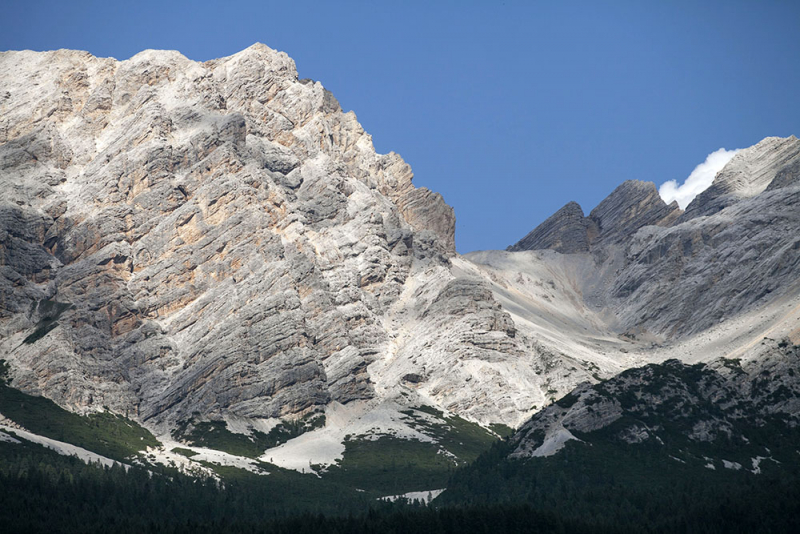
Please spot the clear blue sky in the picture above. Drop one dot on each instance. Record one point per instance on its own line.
(509, 109)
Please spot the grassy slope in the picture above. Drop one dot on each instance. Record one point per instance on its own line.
(105, 433)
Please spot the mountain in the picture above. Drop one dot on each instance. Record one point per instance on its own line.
(216, 238)
(215, 252)
(211, 262)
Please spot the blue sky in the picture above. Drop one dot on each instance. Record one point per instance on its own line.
(509, 109)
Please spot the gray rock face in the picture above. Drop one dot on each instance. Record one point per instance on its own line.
(786, 177)
(632, 205)
(426, 211)
(749, 172)
(671, 274)
(222, 237)
(566, 231)
(684, 279)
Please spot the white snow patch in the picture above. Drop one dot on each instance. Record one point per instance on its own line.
(698, 181)
(731, 465)
(316, 447)
(709, 465)
(60, 447)
(757, 464)
(8, 439)
(423, 496)
(324, 446)
(164, 455)
(246, 425)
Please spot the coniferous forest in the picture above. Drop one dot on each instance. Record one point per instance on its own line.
(41, 491)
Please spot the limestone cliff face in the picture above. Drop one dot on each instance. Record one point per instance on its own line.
(631, 206)
(217, 237)
(628, 208)
(566, 231)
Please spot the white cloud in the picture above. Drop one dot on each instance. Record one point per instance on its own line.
(698, 181)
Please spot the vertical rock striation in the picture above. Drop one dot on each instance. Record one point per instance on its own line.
(222, 236)
(566, 231)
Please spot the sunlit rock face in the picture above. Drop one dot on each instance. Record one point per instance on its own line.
(223, 238)
(748, 174)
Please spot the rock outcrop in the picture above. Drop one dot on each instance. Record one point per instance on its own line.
(660, 271)
(566, 231)
(673, 404)
(632, 205)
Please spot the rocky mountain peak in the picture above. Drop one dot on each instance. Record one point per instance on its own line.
(631, 206)
(566, 231)
(747, 174)
(219, 237)
(635, 204)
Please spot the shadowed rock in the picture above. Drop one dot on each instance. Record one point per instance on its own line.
(631, 206)
(566, 231)
(628, 208)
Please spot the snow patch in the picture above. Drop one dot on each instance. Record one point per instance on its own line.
(246, 425)
(165, 456)
(731, 465)
(8, 439)
(757, 464)
(60, 447)
(325, 446)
